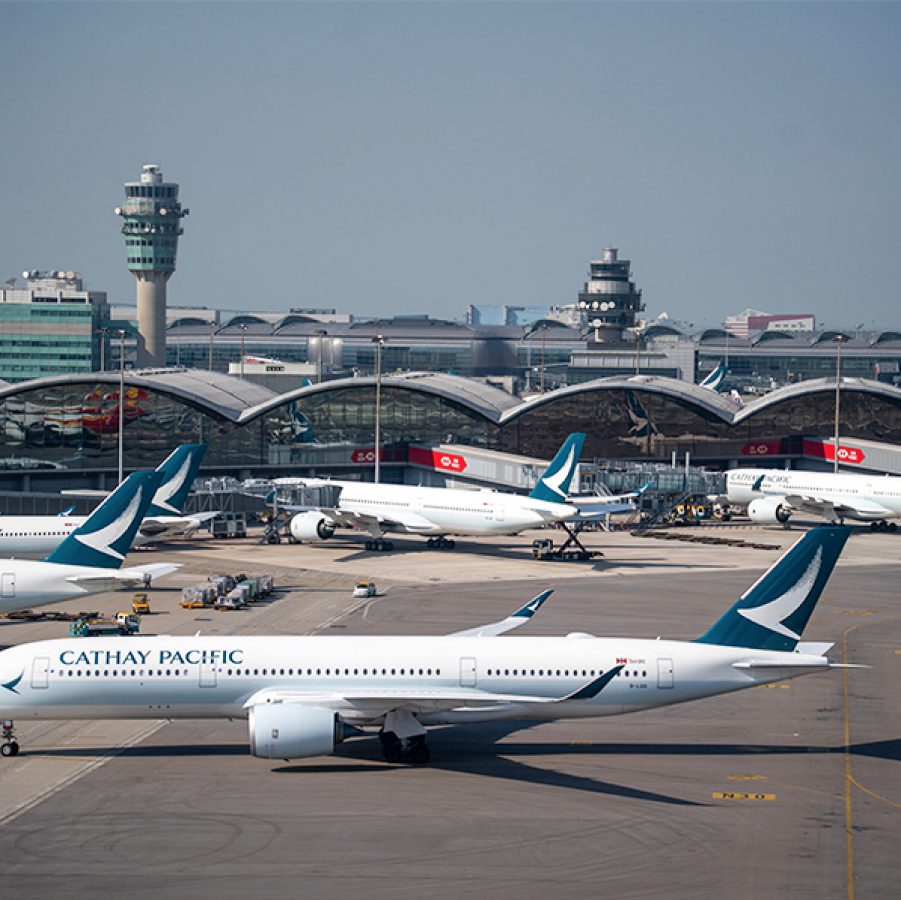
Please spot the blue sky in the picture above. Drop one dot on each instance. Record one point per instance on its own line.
(403, 158)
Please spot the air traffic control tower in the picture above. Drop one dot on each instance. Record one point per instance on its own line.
(151, 223)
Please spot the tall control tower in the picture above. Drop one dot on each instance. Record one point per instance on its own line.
(151, 223)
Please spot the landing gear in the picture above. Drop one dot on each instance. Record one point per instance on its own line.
(882, 525)
(441, 543)
(379, 544)
(414, 750)
(9, 747)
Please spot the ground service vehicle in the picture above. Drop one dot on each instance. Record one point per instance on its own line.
(140, 604)
(365, 589)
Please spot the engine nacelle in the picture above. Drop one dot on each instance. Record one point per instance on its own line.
(311, 527)
(768, 510)
(292, 730)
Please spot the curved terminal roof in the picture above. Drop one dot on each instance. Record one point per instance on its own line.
(241, 401)
(485, 399)
(692, 394)
(221, 394)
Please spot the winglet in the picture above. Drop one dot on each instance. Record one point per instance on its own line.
(514, 620)
(532, 607)
(593, 688)
(553, 486)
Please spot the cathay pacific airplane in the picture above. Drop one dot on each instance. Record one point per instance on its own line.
(36, 536)
(437, 512)
(773, 495)
(303, 695)
(89, 560)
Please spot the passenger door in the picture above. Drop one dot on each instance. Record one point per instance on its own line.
(467, 671)
(8, 585)
(40, 670)
(207, 675)
(665, 678)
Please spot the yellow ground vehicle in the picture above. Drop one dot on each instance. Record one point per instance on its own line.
(140, 604)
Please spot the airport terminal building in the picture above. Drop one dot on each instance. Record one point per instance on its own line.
(62, 431)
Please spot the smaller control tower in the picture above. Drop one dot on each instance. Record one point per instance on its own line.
(609, 299)
(151, 223)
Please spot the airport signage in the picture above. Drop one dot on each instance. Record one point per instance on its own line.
(761, 448)
(366, 455)
(437, 459)
(826, 450)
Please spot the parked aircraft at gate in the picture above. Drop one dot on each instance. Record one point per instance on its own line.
(435, 512)
(302, 695)
(773, 495)
(89, 559)
(36, 536)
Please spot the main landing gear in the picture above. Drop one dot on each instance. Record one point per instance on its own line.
(412, 750)
(379, 544)
(441, 543)
(9, 747)
(882, 525)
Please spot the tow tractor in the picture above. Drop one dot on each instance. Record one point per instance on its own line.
(124, 623)
(140, 604)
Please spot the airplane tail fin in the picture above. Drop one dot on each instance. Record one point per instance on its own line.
(553, 485)
(105, 536)
(716, 377)
(179, 470)
(772, 613)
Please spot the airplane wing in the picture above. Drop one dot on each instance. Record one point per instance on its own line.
(837, 506)
(380, 700)
(173, 526)
(408, 522)
(520, 617)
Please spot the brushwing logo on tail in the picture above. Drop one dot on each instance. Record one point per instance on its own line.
(554, 481)
(771, 615)
(169, 488)
(102, 539)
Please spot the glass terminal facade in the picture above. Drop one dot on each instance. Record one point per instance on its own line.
(73, 427)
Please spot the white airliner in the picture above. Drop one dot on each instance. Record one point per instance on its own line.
(36, 536)
(302, 695)
(89, 559)
(772, 495)
(436, 512)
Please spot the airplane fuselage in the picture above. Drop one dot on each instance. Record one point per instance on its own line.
(214, 677)
(25, 583)
(443, 511)
(883, 491)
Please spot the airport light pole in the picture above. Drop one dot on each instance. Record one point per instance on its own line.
(838, 340)
(212, 332)
(320, 334)
(379, 341)
(121, 333)
(243, 327)
(103, 331)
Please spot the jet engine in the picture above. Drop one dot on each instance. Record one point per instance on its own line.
(293, 731)
(768, 510)
(312, 527)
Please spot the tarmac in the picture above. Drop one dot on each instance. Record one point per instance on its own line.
(789, 790)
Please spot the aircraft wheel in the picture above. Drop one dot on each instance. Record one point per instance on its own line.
(9, 749)
(875, 526)
(392, 748)
(892, 526)
(369, 545)
(451, 544)
(419, 753)
(430, 542)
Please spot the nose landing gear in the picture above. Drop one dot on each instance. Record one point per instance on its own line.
(9, 747)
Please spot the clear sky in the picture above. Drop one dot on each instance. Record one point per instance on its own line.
(403, 158)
